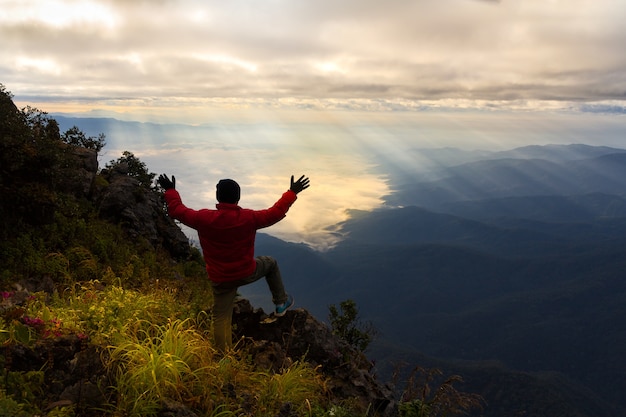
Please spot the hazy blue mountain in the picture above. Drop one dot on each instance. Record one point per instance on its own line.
(433, 162)
(131, 136)
(500, 178)
(556, 153)
(506, 236)
(548, 208)
(532, 276)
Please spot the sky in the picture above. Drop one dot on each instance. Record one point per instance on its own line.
(331, 55)
(325, 85)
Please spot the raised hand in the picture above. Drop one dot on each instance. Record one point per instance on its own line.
(165, 182)
(301, 184)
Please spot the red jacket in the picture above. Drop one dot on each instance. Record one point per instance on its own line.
(227, 234)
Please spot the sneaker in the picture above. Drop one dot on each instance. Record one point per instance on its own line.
(281, 309)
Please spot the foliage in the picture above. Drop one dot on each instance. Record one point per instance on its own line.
(75, 137)
(427, 396)
(85, 247)
(156, 352)
(102, 313)
(11, 408)
(134, 168)
(35, 162)
(345, 323)
(176, 361)
(62, 411)
(300, 384)
(155, 362)
(24, 389)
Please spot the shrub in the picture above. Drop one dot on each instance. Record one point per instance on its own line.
(75, 137)
(134, 168)
(347, 325)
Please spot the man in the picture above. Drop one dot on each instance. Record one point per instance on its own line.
(227, 237)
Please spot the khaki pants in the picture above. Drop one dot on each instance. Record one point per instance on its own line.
(224, 296)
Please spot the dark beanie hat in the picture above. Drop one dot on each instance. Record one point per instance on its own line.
(228, 191)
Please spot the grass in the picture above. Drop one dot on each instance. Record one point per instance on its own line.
(300, 384)
(175, 361)
(155, 362)
(155, 352)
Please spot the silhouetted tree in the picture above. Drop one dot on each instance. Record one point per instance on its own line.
(74, 136)
(134, 168)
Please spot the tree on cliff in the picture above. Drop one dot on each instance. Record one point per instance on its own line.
(134, 168)
(35, 159)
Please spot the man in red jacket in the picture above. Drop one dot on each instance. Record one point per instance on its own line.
(227, 237)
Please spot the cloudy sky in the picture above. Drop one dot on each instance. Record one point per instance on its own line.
(326, 87)
(292, 54)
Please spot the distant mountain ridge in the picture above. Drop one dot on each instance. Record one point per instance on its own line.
(550, 208)
(580, 170)
(557, 153)
(519, 259)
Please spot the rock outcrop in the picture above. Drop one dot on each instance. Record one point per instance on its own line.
(140, 211)
(81, 173)
(298, 335)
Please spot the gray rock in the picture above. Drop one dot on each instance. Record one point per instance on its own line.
(141, 212)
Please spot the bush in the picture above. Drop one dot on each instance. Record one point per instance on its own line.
(134, 168)
(345, 323)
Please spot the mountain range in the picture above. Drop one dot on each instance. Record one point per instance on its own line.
(507, 267)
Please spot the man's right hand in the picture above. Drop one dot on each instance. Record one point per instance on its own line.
(301, 184)
(165, 182)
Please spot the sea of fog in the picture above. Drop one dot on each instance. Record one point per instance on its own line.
(346, 155)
